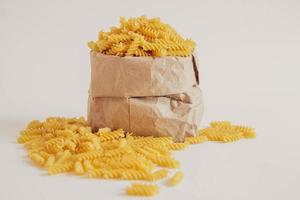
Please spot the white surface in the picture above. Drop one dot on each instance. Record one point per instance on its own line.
(249, 55)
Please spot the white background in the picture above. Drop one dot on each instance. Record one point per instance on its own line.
(249, 56)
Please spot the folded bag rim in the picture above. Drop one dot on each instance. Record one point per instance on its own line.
(115, 76)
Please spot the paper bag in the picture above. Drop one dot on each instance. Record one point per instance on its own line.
(145, 95)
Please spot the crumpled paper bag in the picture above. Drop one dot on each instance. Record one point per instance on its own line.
(145, 95)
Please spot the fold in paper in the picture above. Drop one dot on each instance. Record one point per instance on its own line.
(146, 116)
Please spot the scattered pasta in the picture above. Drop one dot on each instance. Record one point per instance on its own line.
(224, 131)
(62, 145)
(196, 140)
(139, 189)
(142, 36)
(175, 179)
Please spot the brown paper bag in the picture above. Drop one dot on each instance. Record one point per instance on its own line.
(145, 95)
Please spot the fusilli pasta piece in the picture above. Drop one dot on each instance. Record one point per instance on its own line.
(159, 174)
(56, 169)
(138, 189)
(175, 179)
(36, 158)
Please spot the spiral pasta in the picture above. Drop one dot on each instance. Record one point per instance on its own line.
(63, 157)
(225, 131)
(162, 161)
(26, 138)
(130, 163)
(196, 140)
(36, 158)
(107, 136)
(177, 146)
(63, 145)
(175, 179)
(138, 189)
(159, 174)
(50, 161)
(56, 169)
(78, 168)
(247, 132)
(142, 37)
(131, 174)
(91, 155)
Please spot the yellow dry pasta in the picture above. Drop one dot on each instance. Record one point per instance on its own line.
(225, 131)
(138, 189)
(196, 140)
(141, 37)
(78, 168)
(175, 179)
(131, 174)
(26, 138)
(107, 136)
(87, 165)
(91, 155)
(220, 124)
(60, 168)
(247, 132)
(159, 174)
(50, 161)
(36, 158)
(178, 146)
(63, 157)
(62, 145)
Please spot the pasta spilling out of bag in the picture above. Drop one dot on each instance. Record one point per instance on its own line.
(63, 145)
(142, 36)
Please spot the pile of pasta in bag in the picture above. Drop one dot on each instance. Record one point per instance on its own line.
(145, 79)
(142, 37)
